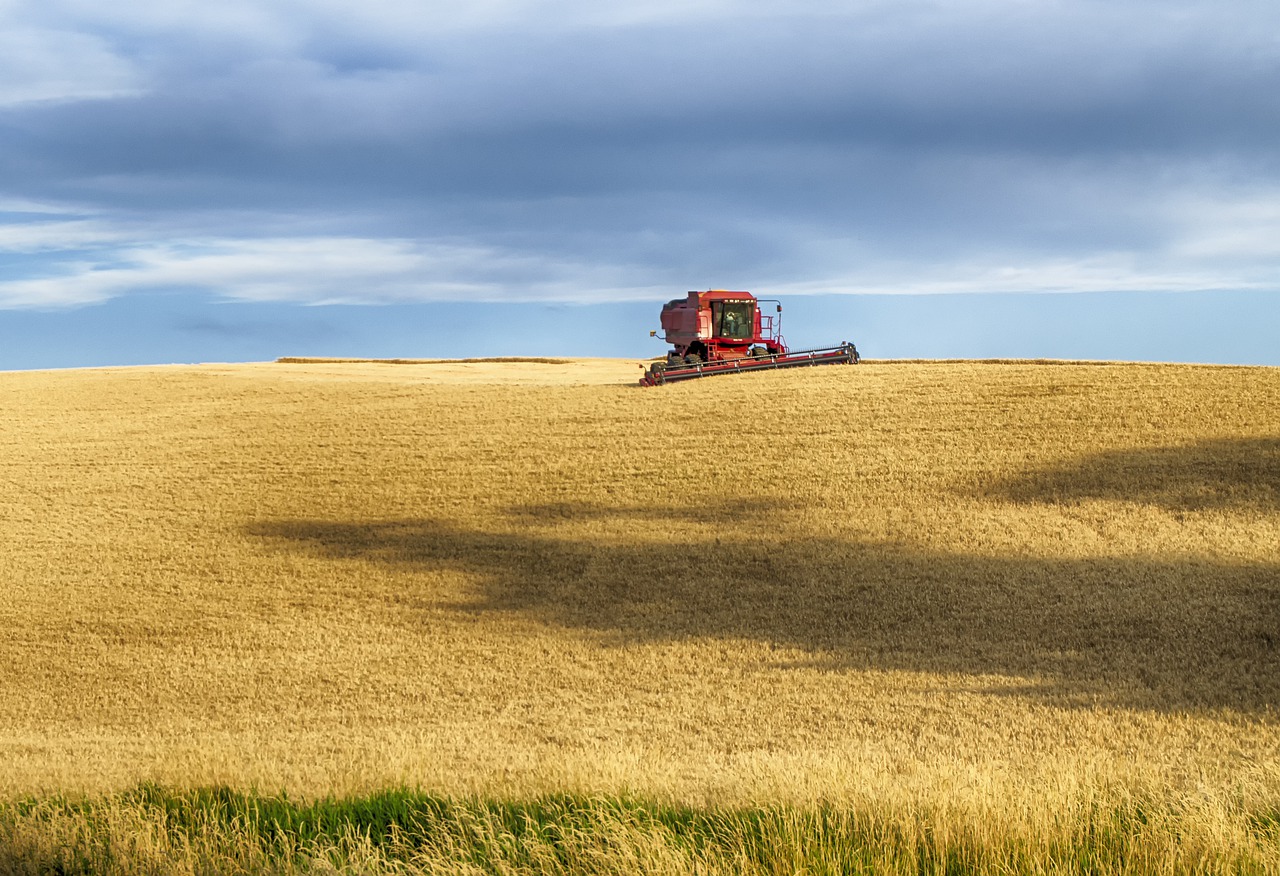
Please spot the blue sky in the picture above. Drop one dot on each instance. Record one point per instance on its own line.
(238, 180)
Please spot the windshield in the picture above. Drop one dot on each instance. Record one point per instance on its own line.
(733, 319)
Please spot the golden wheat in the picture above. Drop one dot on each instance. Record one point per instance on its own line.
(1000, 589)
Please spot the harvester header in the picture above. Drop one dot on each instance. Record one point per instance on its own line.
(721, 331)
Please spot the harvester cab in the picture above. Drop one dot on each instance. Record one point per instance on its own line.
(719, 331)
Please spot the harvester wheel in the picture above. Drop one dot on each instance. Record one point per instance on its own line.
(759, 352)
(692, 359)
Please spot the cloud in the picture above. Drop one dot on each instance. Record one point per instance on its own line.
(52, 66)
(319, 271)
(315, 150)
(380, 271)
(1245, 228)
(35, 237)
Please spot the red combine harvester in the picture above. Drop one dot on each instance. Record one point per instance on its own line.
(722, 332)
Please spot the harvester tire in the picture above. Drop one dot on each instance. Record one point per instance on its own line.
(692, 359)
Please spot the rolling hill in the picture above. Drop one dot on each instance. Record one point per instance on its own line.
(1004, 590)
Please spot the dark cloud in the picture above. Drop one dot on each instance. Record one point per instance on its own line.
(866, 145)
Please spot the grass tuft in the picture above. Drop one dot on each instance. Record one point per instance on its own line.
(151, 829)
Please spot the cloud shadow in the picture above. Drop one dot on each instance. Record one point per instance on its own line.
(1172, 634)
(1221, 474)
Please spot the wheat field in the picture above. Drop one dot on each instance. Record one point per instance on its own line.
(1003, 590)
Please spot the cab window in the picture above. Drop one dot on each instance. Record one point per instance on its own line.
(733, 319)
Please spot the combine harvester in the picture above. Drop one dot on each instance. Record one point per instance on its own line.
(722, 332)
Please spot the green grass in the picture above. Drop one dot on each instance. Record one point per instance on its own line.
(155, 830)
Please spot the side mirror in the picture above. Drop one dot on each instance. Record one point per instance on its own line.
(653, 334)
(779, 308)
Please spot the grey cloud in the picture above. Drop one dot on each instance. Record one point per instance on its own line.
(1135, 79)
(784, 145)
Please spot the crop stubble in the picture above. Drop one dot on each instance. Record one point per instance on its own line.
(981, 586)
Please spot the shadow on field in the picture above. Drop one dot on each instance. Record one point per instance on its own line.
(1182, 634)
(1219, 474)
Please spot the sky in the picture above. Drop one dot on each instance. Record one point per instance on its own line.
(246, 179)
